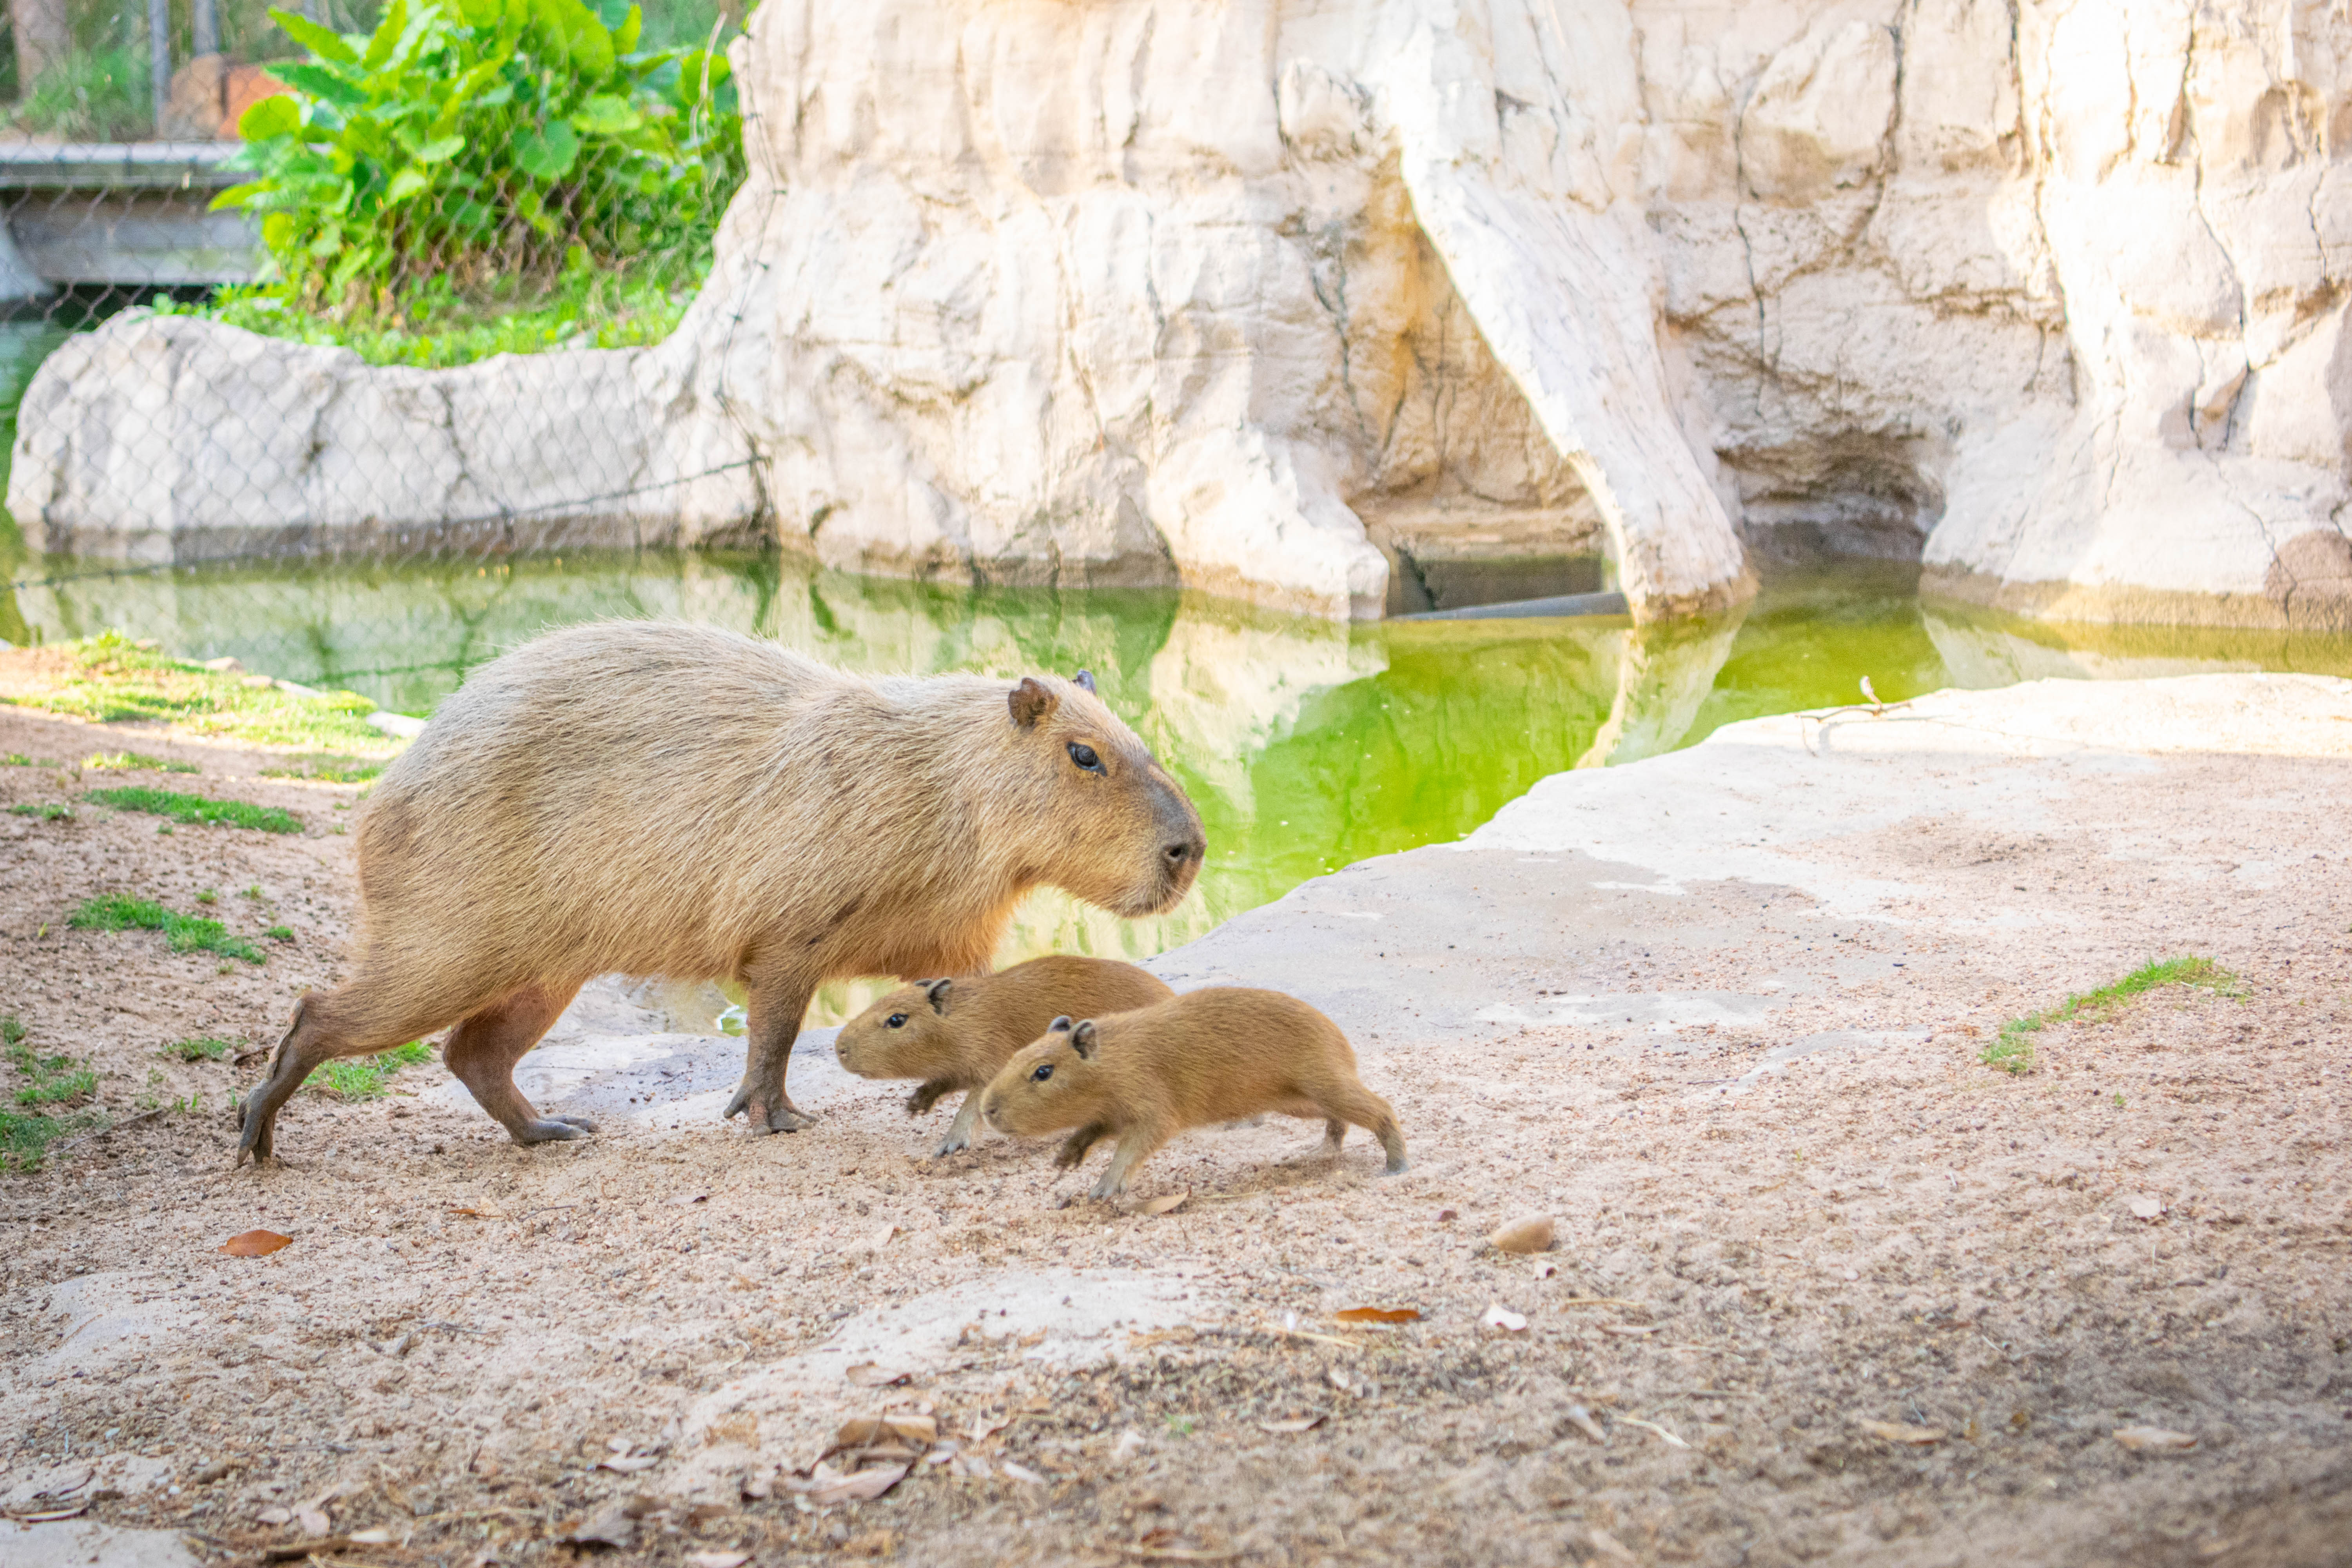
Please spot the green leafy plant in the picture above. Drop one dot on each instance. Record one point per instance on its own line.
(209, 1048)
(475, 152)
(182, 933)
(90, 95)
(48, 811)
(2012, 1049)
(197, 808)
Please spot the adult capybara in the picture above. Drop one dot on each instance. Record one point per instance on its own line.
(1209, 1056)
(955, 1034)
(661, 799)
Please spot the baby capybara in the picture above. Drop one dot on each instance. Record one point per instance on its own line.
(662, 799)
(954, 1033)
(1209, 1056)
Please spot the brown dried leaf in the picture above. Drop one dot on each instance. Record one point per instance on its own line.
(1902, 1432)
(874, 1374)
(1528, 1232)
(924, 1429)
(254, 1244)
(1379, 1315)
(1167, 1203)
(1295, 1423)
(2155, 1439)
(863, 1486)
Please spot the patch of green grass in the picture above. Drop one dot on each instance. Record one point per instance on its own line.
(48, 811)
(23, 1140)
(327, 769)
(364, 1078)
(207, 895)
(19, 760)
(12, 1031)
(209, 1048)
(49, 1081)
(183, 933)
(279, 934)
(2012, 1049)
(110, 677)
(139, 761)
(254, 892)
(197, 808)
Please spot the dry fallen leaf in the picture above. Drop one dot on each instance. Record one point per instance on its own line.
(2154, 1439)
(254, 1244)
(1379, 1315)
(718, 1559)
(1501, 1317)
(1167, 1203)
(1902, 1432)
(51, 1515)
(1295, 1423)
(874, 1374)
(863, 1486)
(2145, 1207)
(1528, 1232)
(1021, 1472)
(610, 1526)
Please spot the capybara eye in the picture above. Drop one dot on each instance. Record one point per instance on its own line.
(1042, 1073)
(1084, 756)
(897, 1020)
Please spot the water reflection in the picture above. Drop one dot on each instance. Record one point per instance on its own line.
(1305, 744)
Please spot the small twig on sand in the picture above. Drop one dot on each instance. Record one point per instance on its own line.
(1650, 1427)
(1176, 1555)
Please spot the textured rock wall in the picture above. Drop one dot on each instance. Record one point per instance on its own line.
(2051, 297)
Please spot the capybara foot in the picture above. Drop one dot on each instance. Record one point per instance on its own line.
(1396, 1167)
(553, 1130)
(781, 1117)
(1106, 1185)
(784, 1118)
(256, 1136)
(953, 1143)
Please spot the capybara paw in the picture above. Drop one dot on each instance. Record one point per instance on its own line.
(951, 1144)
(1396, 1167)
(581, 1122)
(553, 1131)
(737, 1106)
(1106, 1188)
(784, 1119)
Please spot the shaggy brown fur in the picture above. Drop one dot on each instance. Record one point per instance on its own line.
(661, 799)
(1209, 1056)
(955, 1034)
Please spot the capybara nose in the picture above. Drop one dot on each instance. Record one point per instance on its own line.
(1188, 850)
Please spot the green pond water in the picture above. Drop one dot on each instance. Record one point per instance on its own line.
(1305, 745)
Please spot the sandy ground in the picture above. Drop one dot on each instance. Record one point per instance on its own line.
(1732, 1055)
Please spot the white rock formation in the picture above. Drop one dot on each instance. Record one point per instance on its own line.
(1164, 291)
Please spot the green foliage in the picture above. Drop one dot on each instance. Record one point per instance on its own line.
(279, 934)
(470, 146)
(137, 762)
(49, 1081)
(108, 677)
(2012, 1049)
(197, 808)
(364, 1078)
(90, 95)
(182, 933)
(48, 811)
(19, 760)
(208, 1048)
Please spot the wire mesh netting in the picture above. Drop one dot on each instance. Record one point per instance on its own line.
(289, 301)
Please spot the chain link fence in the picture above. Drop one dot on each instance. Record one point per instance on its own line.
(416, 212)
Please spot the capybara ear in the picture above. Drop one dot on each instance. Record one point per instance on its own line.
(1082, 1039)
(936, 990)
(1031, 702)
(1083, 680)
(1060, 1026)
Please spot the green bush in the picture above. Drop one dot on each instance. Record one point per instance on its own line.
(470, 156)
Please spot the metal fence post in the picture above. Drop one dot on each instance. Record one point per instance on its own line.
(204, 25)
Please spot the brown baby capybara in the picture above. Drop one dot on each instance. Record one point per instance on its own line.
(1214, 1054)
(652, 798)
(954, 1033)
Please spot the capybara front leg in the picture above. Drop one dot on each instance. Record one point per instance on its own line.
(959, 1136)
(1135, 1146)
(775, 1011)
(1073, 1152)
(483, 1050)
(355, 1020)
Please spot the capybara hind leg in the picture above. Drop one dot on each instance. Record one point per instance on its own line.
(1367, 1110)
(775, 1011)
(346, 1022)
(1335, 1133)
(483, 1050)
